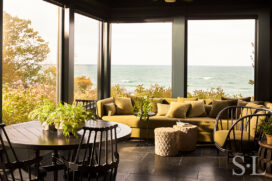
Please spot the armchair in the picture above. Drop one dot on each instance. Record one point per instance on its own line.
(236, 128)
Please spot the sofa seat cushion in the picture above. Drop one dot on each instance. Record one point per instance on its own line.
(221, 135)
(130, 120)
(203, 123)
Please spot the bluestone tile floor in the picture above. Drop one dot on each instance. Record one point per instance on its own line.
(139, 163)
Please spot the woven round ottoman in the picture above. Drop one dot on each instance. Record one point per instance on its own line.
(166, 141)
(187, 137)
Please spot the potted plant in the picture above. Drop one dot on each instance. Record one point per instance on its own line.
(44, 114)
(266, 127)
(143, 107)
(64, 117)
(69, 118)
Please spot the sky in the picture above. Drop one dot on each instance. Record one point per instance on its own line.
(210, 42)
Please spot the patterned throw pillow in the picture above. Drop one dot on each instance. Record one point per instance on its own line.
(178, 110)
(123, 106)
(109, 109)
(218, 105)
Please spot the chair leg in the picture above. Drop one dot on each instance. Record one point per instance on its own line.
(217, 152)
(228, 156)
(74, 176)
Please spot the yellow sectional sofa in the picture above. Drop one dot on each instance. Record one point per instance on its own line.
(205, 124)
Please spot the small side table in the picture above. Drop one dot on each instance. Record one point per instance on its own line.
(166, 141)
(265, 158)
(187, 137)
(150, 114)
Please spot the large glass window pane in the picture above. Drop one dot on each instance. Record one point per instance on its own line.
(141, 59)
(221, 58)
(30, 38)
(86, 55)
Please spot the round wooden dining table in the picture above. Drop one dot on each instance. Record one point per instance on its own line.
(30, 135)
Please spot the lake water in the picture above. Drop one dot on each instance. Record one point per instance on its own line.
(234, 80)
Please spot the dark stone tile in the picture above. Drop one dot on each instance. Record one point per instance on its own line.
(186, 173)
(166, 165)
(195, 153)
(185, 179)
(214, 173)
(121, 177)
(256, 178)
(137, 177)
(136, 166)
(200, 162)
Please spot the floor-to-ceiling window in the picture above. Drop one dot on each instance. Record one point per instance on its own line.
(86, 56)
(221, 58)
(30, 41)
(141, 59)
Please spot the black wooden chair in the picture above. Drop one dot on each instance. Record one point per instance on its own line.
(13, 169)
(236, 129)
(96, 156)
(88, 104)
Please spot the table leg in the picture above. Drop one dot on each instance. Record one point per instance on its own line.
(37, 153)
(147, 131)
(54, 163)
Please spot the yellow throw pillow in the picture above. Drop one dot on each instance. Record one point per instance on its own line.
(253, 120)
(182, 99)
(162, 109)
(178, 110)
(245, 111)
(123, 106)
(268, 105)
(110, 109)
(197, 108)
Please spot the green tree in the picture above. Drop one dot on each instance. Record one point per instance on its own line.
(23, 51)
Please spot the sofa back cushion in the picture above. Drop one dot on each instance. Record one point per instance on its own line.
(162, 109)
(218, 105)
(182, 99)
(178, 110)
(197, 109)
(247, 99)
(169, 100)
(208, 101)
(100, 106)
(123, 106)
